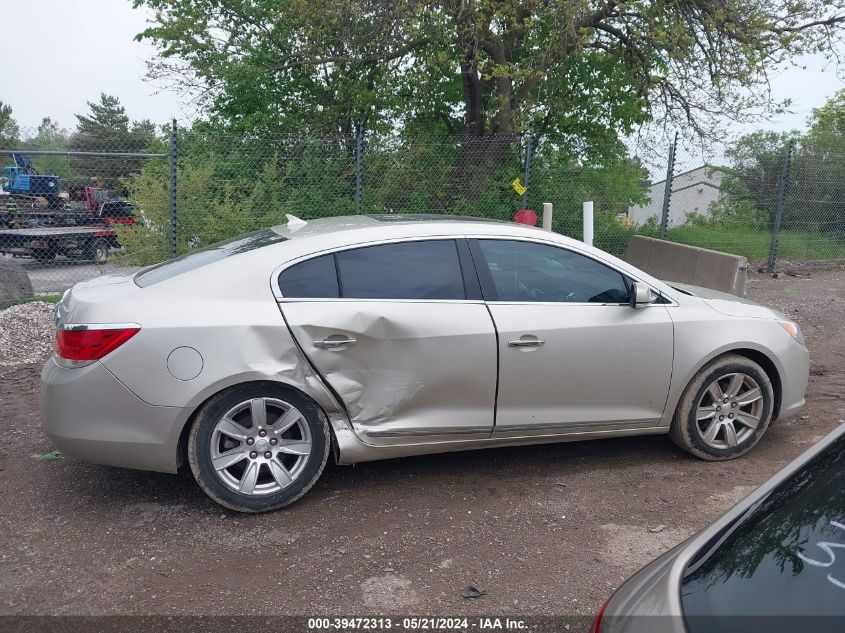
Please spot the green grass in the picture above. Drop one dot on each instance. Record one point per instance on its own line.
(754, 245)
(48, 298)
(51, 298)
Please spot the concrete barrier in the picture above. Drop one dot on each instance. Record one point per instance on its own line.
(688, 264)
(14, 282)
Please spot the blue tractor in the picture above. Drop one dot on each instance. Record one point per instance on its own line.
(25, 182)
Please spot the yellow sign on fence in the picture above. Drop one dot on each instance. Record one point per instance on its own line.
(517, 186)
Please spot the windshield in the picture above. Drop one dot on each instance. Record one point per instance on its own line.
(204, 256)
(785, 557)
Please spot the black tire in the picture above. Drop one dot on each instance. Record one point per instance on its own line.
(97, 250)
(687, 431)
(202, 437)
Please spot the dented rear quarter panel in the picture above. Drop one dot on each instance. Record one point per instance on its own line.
(225, 311)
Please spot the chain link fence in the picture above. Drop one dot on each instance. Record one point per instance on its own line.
(113, 204)
(64, 209)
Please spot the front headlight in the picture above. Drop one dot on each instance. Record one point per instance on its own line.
(793, 330)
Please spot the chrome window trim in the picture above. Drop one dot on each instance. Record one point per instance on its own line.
(349, 300)
(277, 293)
(97, 326)
(563, 303)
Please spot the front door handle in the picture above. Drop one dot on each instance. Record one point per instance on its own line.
(527, 343)
(331, 343)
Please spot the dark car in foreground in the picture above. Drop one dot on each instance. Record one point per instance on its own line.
(773, 563)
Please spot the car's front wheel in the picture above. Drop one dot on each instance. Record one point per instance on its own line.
(725, 409)
(258, 447)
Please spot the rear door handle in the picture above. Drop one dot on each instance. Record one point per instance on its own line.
(330, 343)
(527, 343)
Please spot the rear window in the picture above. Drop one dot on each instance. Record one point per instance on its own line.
(204, 256)
(408, 270)
(785, 557)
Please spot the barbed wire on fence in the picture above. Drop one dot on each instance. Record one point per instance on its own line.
(71, 212)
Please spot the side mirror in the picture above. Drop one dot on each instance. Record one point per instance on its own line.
(642, 295)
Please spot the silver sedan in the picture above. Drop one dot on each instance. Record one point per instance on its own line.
(374, 337)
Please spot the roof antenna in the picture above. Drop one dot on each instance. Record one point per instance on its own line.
(294, 222)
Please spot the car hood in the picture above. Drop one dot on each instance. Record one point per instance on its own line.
(728, 304)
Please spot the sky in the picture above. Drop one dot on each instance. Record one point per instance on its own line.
(80, 48)
(84, 47)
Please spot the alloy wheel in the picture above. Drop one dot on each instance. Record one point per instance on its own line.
(729, 410)
(260, 446)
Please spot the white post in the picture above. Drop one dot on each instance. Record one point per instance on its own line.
(547, 216)
(588, 222)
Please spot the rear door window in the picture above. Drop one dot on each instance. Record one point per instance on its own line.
(312, 279)
(406, 270)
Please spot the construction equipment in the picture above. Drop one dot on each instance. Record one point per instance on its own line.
(25, 182)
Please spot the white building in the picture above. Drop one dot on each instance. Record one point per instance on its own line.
(692, 192)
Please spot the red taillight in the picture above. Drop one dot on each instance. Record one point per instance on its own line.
(596, 626)
(91, 344)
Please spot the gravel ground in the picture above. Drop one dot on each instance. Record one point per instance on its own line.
(547, 530)
(26, 333)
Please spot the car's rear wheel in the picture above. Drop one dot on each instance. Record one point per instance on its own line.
(725, 409)
(258, 447)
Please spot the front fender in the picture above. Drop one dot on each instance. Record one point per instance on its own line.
(700, 340)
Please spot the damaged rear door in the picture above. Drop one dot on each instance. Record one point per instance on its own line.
(399, 331)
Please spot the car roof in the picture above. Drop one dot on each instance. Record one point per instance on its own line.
(299, 239)
(310, 237)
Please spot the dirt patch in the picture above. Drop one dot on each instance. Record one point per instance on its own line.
(388, 593)
(547, 530)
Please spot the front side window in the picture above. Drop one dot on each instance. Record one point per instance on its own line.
(528, 271)
(406, 270)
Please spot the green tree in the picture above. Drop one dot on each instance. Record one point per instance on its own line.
(750, 189)
(589, 68)
(50, 136)
(827, 124)
(233, 183)
(817, 196)
(9, 130)
(106, 121)
(815, 189)
(107, 128)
